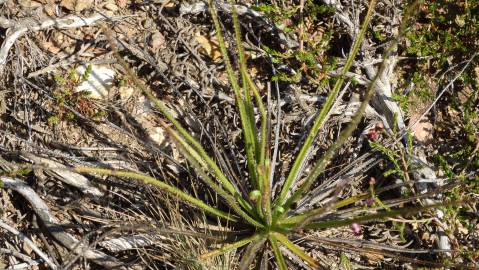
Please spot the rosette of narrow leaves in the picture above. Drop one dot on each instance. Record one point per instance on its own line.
(269, 220)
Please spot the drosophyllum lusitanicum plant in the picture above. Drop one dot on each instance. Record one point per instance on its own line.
(268, 220)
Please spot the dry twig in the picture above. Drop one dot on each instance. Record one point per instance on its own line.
(29, 243)
(74, 179)
(52, 225)
(19, 28)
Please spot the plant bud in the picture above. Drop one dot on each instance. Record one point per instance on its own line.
(254, 195)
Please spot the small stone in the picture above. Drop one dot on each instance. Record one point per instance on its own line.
(157, 135)
(111, 6)
(98, 82)
(157, 41)
(147, 23)
(77, 5)
(126, 92)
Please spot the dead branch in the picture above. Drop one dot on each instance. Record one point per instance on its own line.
(131, 242)
(55, 229)
(29, 242)
(19, 28)
(224, 7)
(71, 178)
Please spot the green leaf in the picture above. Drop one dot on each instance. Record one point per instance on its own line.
(277, 253)
(232, 201)
(300, 220)
(243, 108)
(165, 111)
(162, 185)
(379, 216)
(266, 196)
(321, 164)
(229, 247)
(251, 252)
(345, 262)
(87, 73)
(318, 121)
(296, 250)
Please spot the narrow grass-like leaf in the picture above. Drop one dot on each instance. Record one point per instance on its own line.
(230, 200)
(264, 162)
(165, 111)
(321, 164)
(191, 153)
(263, 148)
(251, 252)
(298, 220)
(266, 194)
(296, 250)
(318, 121)
(388, 204)
(229, 247)
(160, 184)
(247, 128)
(379, 216)
(345, 262)
(277, 253)
(244, 75)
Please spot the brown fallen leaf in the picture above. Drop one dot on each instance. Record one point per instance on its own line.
(49, 9)
(122, 3)
(77, 5)
(111, 6)
(209, 46)
(29, 4)
(373, 258)
(50, 46)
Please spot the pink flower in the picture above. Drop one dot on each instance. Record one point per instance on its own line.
(370, 202)
(356, 228)
(373, 133)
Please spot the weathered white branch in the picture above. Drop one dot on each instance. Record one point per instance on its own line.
(131, 242)
(29, 242)
(56, 230)
(26, 265)
(71, 178)
(19, 28)
(383, 101)
(425, 179)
